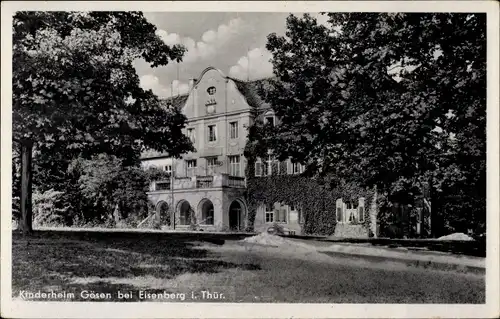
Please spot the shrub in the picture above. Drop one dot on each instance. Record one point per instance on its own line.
(278, 229)
(48, 208)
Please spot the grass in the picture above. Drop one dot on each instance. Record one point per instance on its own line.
(189, 264)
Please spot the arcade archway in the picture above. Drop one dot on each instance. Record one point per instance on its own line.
(236, 216)
(185, 212)
(206, 211)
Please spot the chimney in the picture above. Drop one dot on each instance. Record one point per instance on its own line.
(191, 83)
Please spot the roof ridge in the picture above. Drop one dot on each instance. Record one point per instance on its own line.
(169, 98)
(250, 81)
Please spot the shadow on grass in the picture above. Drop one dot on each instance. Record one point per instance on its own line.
(108, 262)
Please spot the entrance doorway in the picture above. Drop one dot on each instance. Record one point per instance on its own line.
(185, 213)
(207, 212)
(236, 216)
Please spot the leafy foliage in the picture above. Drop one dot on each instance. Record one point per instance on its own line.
(395, 101)
(92, 190)
(75, 85)
(50, 210)
(76, 92)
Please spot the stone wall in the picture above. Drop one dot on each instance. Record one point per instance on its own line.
(350, 231)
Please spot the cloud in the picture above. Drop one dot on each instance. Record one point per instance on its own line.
(255, 65)
(179, 88)
(322, 19)
(212, 41)
(168, 38)
(209, 36)
(152, 82)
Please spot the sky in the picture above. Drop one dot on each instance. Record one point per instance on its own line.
(230, 41)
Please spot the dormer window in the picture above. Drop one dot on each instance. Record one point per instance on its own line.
(211, 90)
(269, 118)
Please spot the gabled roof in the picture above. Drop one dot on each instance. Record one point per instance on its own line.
(177, 101)
(151, 154)
(251, 90)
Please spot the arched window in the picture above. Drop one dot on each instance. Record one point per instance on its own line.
(269, 118)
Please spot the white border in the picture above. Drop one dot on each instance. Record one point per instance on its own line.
(152, 310)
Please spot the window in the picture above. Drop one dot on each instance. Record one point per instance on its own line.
(212, 133)
(361, 211)
(269, 120)
(296, 168)
(191, 135)
(272, 166)
(234, 165)
(211, 165)
(340, 210)
(211, 90)
(352, 212)
(190, 168)
(269, 207)
(261, 169)
(351, 205)
(233, 130)
(191, 163)
(168, 169)
(270, 217)
(269, 213)
(281, 215)
(211, 161)
(265, 169)
(276, 213)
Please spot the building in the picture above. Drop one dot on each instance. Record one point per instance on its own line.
(207, 190)
(208, 185)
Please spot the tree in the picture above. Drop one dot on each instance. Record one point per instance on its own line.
(107, 184)
(388, 100)
(75, 89)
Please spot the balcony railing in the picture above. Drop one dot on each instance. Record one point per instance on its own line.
(162, 185)
(204, 181)
(236, 181)
(217, 180)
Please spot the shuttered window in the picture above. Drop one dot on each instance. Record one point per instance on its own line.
(258, 168)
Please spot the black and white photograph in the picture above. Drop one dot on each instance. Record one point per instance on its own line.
(254, 159)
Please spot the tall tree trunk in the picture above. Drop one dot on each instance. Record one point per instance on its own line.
(26, 224)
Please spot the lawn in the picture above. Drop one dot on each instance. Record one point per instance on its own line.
(207, 267)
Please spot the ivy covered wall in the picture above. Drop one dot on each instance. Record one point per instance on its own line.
(316, 198)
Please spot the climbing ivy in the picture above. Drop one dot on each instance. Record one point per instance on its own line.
(316, 197)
